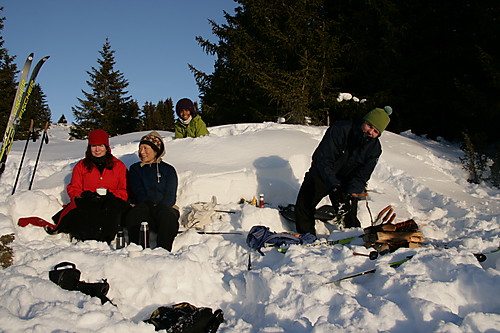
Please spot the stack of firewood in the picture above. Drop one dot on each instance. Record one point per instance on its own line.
(389, 236)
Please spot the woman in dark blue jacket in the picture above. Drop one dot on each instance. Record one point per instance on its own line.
(153, 191)
(341, 166)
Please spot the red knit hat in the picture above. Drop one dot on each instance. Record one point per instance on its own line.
(98, 137)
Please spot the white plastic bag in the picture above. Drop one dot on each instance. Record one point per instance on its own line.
(201, 214)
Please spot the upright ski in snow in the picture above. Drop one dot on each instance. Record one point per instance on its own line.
(15, 107)
(18, 108)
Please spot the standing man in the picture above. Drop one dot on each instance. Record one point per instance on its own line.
(189, 123)
(341, 166)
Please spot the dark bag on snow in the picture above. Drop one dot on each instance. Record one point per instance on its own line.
(67, 276)
(325, 213)
(260, 236)
(94, 218)
(186, 318)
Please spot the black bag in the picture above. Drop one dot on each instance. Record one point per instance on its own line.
(94, 218)
(186, 318)
(67, 277)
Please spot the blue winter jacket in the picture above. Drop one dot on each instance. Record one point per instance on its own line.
(346, 157)
(145, 184)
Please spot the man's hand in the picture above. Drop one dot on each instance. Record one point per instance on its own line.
(359, 195)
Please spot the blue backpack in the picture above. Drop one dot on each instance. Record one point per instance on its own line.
(260, 236)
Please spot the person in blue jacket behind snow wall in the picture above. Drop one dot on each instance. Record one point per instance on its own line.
(341, 166)
(153, 192)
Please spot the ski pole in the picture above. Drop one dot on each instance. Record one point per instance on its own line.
(219, 232)
(249, 264)
(30, 134)
(213, 232)
(373, 255)
(394, 264)
(369, 211)
(45, 138)
(482, 256)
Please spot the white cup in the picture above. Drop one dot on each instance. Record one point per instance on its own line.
(101, 191)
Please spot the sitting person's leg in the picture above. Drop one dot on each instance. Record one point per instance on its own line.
(117, 210)
(91, 220)
(134, 218)
(166, 225)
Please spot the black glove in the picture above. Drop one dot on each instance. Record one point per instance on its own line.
(89, 195)
(110, 194)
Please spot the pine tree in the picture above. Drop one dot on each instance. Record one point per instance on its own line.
(106, 107)
(166, 110)
(8, 85)
(435, 63)
(62, 120)
(147, 116)
(275, 59)
(128, 118)
(473, 162)
(158, 117)
(36, 109)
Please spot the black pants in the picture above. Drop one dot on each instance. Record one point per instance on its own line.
(161, 219)
(97, 218)
(312, 191)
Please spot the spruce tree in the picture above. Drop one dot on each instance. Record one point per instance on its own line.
(62, 120)
(36, 109)
(166, 110)
(275, 59)
(158, 117)
(435, 63)
(106, 106)
(8, 85)
(147, 116)
(128, 118)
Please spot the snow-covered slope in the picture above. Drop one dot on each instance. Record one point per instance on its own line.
(438, 290)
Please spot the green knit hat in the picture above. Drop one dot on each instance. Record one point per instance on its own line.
(379, 118)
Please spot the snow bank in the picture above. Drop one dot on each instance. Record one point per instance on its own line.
(438, 290)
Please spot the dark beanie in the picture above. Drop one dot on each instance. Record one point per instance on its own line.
(185, 104)
(155, 141)
(98, 137)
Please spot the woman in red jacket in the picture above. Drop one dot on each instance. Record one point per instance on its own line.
(99, 171)
(98, 193)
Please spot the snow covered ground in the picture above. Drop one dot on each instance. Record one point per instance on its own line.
(438, 290)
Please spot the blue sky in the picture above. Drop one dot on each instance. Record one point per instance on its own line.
(154, 42)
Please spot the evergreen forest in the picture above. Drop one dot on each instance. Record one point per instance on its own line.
(436, 63)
